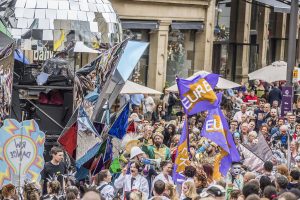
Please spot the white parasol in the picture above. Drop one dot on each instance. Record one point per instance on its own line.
(271, 73)
(222, 83)
(134, 88)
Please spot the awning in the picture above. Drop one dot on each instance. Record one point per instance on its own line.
(138, 24)
(277, 5)
(188, 26)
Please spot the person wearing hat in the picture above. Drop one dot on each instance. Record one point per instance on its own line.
(139, 156)
(158, 149)
(136, 154)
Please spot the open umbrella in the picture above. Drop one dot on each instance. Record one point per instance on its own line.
(134, 88)
(222, 83)
(271, 73)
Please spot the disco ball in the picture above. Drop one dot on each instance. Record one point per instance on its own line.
(49, 25)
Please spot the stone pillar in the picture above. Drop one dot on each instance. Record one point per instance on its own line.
(158, 55)
(262, 35)
(238, 51)
(204, 41)
(280, 33)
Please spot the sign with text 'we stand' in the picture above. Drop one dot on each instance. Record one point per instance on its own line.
(21, 152)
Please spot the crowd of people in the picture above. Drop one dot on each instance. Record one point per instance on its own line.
(254, 116)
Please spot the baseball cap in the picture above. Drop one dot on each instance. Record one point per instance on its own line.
(215, 190)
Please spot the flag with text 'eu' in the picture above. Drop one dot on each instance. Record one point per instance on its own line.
(182, 156)
(197, 94)
(216, 129)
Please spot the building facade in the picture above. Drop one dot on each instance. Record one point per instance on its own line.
(250, 35)
(180, 35)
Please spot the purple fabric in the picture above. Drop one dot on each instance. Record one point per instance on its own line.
(197, 94)
(216, 129)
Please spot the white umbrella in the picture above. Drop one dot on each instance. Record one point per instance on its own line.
(271, 73)
(80, 47)
(134, 88)
(222, 83)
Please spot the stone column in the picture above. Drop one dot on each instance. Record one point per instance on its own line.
(240, 17)
(280, 34)
(204, 41)
(158, 55)
(262, 35)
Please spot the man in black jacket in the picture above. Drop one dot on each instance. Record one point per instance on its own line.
(275, 94)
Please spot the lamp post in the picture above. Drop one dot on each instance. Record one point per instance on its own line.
(293, 28)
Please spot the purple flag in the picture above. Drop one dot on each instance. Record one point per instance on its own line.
(216, 129)
(182, 156)
(197, 94)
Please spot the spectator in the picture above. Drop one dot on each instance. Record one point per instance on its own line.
(188, 191)
(281, 184)
(55, 168)
(132, 181)
(287, 196)
(158, 149)
(148, 106)
(91, 195)
(250, 188)
(238, 115)
(102, 180)
(275, 94)
(270, 192)
(295, 176)
(158, 190)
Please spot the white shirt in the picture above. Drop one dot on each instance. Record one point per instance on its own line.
(124, 98)
(108, 191)
(238, 115)
(140, 183)
(149, 104)
(162, 177)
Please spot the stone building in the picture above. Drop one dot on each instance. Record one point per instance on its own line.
(255, 34)
(180, 33)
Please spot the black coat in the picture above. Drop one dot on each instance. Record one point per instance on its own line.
(275, 94)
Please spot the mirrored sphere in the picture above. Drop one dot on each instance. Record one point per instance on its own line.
(51, 24)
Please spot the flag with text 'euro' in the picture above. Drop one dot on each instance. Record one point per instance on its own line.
(182, 156)
(198, 93)
(216, 129)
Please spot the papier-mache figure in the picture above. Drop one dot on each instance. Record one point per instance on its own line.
(234, 179)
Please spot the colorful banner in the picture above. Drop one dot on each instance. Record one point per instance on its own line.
(197, 94)
(182, 156)
(21, 152)
(216, 129)
(6, 80)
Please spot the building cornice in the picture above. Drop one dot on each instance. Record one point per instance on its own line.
(178, 2)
